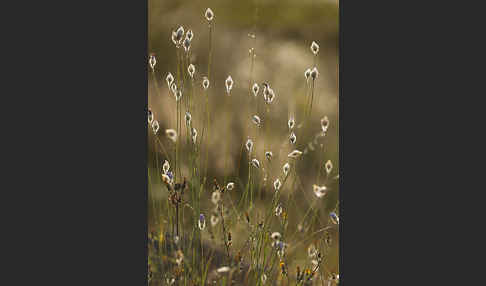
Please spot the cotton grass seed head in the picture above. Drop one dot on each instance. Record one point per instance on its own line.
(249, 145)
(171, 134)
(179, 34)
(230, 186)
(291, 123)
(278, 210)
(169, 79)
(286, 168)
(277, 184)
(276, 236)
(292, 138)
(152, 61)
(255, 163)
(324, 124)
(209, 14)
(256, 120)
(269, 155)
(155, 126)
(205, 83)
(229, 84)
(189, 35)
(295, 154)
(191, 69)
(174, 38)
(314, 48)
(178, 95)
(255, 89)
(334, 218)
(150, 116)
(188, 118)
(319, 191)
(307, 74)
(166, 167)
(201, 222)
(314, 73)
(186, 44)
(328, 166)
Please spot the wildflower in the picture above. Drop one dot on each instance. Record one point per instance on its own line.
(178, 95)
(171, 134)
(295, 154)
(188, 118)
(255, 89)
(291, 123)
(150, 116)
(255, 163)
(324, 123)
(194, 135)
(169, 79)
(307, 74)
(209, 14)
(319, 191)
(277, 184)
(278, 210)
(179, 256)
(328, 166)
(205, 83)
(293, 138)
(264, 278)
(173, 88)
(314, 73)
(155, 126)
(314, 48)
(216, 196)
(201, 222)
(230, 186)
(214, 220)
(269, 155)
(334, 218)
(186, 44)
(312, 251)
(229, 84)
(165, 167)
(152, 61)
(249, 145)
(189, 35)
(223, 269)
(276, 236)
(256, 120)
(286, 168)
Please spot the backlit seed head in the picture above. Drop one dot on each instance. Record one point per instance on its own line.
(319, 191)
(223, 269)
(214, 220)
(291, 123)
(229, 84)
(264, 278)
(334, 218)
(292, 138)
(277, 184)
(186, 44)
(209, 14)
(256, 120)
(276, 236)
(255, 89)
(269, 155)
(230, 186)
(205, 83)
(173, 88)
(295, 154)
(194, 135)
(179, 34)
(255, 163)
(249, 145)
(201, 222)
(155, 126)
(312, 250)
(324, 124)
(166, 167)
(178, 95)
(169, 79)
(314, 48)
(189, 35)
(307, 74)
(171, 134)
(334, 277)
(188, 118)
(152, 61)
(278, 210)
(328, 166)
(286, 168)
(314, 73)
(150, 116)
(174, 37)
(191, 69)
(270, 96)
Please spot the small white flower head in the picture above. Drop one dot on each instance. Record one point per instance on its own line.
(277, 184)
(155, 126)
(264, 278)
(189, 35)
(166, 167)
(178, 95)
(255, 89)
(186, 44)
(191, 69)
(223, 269)
(150, 116)
(324, 124)
(291, 123)
(276, 236)
(278, 210)
(292, 138)
(286, 168)
(209, 14)
(230, 186)
(328, 166)
(169, 79)
(249, 145)
(173, 88)
(256, 120)
(216, 197)
(314, 48)
(334, 218)
(269, 155)
(188, 118)
(152, 61)
(255, 163)
(171, 134)
(205, 82)
(312, 251)
(295, 154)
(314, 73)
(179, 34)
(214, 220)
(201, 222)
(229, 84)
(319, 191)
(194, 135)
(307, 74)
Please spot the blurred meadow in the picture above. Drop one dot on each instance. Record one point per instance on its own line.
(256, 41)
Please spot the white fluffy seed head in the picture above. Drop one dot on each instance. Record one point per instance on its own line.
(179, 34)
(166, 167)
(292, 138)
(249, 145)
(314, 73)
(328, 166)
(209, 14)
(286, 168)
(256, 120)
(295, 154)
(264, 278)
(319, 191)
(229, 84)
(178, 95)
(169, 79)
(276, 235)
(307, 74)
(155, 126)
(277, 184)
(205, 82)
(255, 89)
(189, 35)
(191, 69)
(230, 186)
(278, 210)
(269, 155)
(255, 163)
(152, 61)
(186, 44)
(314, 48)
(270, 95)
(334, 218)
(291, 123)
(171, 134)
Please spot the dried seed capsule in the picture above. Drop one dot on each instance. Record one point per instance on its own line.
(223, 269)
(314, 48)
(171, 134)
(264, 278)
(320, 191)
(312, 250)
(186, 44)
(179, 34)
(178, 95)
(295, 154)
(194, 135)
(173, 88)
(209, 14)
(191, 69)
(255, 89)
(205, 83)
(229, 84)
